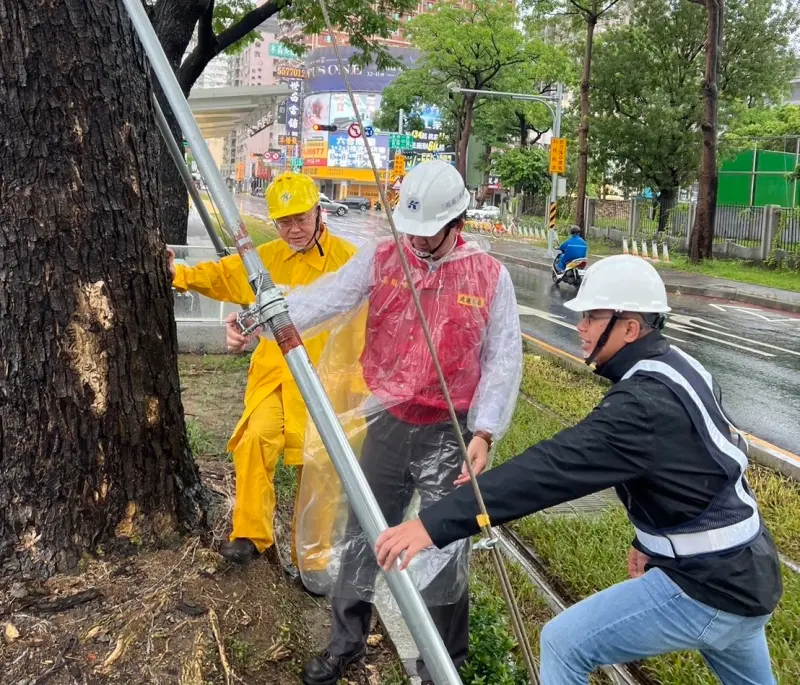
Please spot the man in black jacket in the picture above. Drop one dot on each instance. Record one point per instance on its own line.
(704, 570)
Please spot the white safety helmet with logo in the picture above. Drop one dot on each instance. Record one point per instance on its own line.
(622, 283)
(432, 195)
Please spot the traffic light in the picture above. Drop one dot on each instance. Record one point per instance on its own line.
(325, 127)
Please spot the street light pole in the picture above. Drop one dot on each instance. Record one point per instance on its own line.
(551, 216)
(555, 112)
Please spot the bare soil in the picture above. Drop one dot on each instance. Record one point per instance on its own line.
(137, 613)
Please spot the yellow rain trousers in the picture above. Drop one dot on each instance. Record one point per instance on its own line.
(274, 417)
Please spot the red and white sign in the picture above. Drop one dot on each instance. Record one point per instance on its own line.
(354, 130)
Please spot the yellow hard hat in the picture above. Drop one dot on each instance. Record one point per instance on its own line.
(291, 193)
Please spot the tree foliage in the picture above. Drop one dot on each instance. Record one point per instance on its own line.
(648, 74)
(570, 16)
(229, 25)
(523, 169)
(475, 47)
(771, 128)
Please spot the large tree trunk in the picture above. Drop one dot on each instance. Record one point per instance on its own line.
(701, 242)
(92, 442)
(174, 196)
(523, 131)
(583, 128)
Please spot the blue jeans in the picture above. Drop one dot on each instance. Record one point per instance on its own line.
(648, 616)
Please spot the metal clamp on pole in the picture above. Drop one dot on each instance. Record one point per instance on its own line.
(269, 304)
(485, 544)
(355, 484)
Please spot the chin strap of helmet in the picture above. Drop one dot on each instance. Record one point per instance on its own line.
(656, 321)
(603, 339)
(428, 254)
(318, 232)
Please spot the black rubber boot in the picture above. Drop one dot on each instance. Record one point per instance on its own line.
(326, 669)
(239, 551)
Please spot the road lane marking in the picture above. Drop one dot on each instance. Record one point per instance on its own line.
(757, 313)
(689, 331)
(547, 316)
(712, 327)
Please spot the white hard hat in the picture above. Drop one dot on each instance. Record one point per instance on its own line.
(431, 195)
(622, 283)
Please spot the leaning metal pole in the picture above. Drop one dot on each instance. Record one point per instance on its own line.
(177, 157)
(271, 310)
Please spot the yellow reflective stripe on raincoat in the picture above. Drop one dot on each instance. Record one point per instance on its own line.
(227, 280)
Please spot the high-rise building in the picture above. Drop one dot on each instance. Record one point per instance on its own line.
(217, 71)
(335, 159)
(252, 67)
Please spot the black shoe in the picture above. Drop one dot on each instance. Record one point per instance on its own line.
(239, 551)
(326, 669)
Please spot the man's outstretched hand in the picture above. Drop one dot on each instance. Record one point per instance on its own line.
(236, 342)
(409, 537)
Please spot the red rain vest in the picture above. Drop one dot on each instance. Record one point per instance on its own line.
(456, 298)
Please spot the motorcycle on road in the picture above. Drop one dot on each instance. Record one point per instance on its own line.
(572, 274)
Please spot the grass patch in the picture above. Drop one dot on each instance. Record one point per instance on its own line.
(214, 363)
(394, 675)
(490, 626)
(738, 270)
(588, 553)
(779, 502)
(202, 441)
(285, 481)
(260, 230)
(569, 394)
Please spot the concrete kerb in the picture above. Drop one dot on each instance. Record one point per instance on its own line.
(762, 452)
(719, 293)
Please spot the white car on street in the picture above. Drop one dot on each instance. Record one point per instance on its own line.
(485, 213)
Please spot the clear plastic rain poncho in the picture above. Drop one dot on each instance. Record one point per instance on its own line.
(379, 374)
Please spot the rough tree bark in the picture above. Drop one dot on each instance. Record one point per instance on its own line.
(701, 241)
(92, 443)
(583, 128)
(523, 130)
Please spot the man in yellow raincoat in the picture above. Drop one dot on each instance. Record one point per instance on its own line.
(274, 416)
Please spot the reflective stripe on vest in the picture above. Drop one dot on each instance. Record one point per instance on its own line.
(686, 539)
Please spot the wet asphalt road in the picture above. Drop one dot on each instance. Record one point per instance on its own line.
(754, 353)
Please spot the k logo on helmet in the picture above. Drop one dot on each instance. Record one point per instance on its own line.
(414, 205)
(286, 197)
